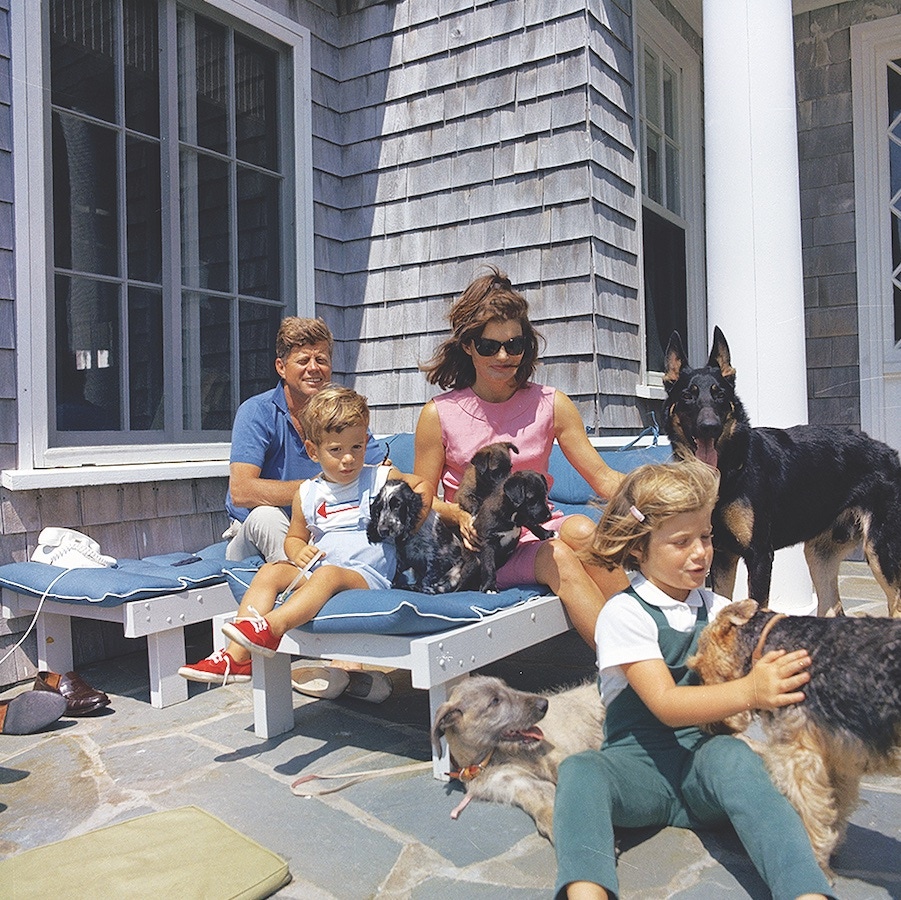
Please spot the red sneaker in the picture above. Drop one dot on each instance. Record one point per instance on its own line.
(218, 666)
(253, 633)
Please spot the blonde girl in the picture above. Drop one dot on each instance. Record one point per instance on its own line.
(656, 767)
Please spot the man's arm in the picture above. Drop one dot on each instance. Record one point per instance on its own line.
(249, 490)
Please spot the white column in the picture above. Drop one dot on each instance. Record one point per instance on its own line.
(754, 275)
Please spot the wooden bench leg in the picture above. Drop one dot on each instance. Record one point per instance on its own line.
(55, 643)
(273, 704)
(441, 764)
(166, 654)
(220, 641)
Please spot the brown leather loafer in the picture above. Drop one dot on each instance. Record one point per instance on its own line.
(80, 697)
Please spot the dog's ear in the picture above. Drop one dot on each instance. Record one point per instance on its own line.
(445, 718)
(674, 360)
(740, 612)
(719, 354)
(515, 491)
(372, 527)
(513, 448)
(481, 461)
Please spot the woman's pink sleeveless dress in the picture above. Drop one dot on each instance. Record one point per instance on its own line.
(468, 423)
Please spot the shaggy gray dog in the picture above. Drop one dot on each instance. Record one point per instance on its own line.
(501, 754)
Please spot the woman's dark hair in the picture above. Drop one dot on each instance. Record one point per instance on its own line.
(487, 298)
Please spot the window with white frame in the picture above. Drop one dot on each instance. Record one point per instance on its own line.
(171, 214)
(672, 228)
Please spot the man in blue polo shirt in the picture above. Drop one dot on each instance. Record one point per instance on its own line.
(268, 457)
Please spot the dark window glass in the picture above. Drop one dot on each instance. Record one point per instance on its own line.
(142, 76)
(143, 210)
(258, 234)
(82, 67)
(88, 355)
(257, 327)
(145, 360)
(85, 200)
(894, 93)
(205, 232)
(664, 285)
(211, 96)
(256, 121)
(207, 355)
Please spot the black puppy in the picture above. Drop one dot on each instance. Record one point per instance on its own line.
(520, 501)
(486, 470)
(433, 554)
(828, 487)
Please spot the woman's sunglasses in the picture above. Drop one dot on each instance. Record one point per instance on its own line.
(516, 346)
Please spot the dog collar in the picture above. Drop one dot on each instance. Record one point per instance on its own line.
(467, 773)
(758, 650)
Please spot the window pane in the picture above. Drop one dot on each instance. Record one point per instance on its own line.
(673, 179)
(87, 355)
(258, 234)
(82, 73)
(666, 307)
(670, 124)
(203, 83)
(142, 77)
(145, 360)
(651, 88)
(143, 205)
(256, 121)
(654, 164)
(257, 327)
(204, 220)
(207, 357)
(85, 205)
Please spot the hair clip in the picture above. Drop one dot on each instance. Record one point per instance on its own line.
(639, 515)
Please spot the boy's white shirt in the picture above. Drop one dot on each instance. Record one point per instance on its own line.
(341, 501)
(625, 633)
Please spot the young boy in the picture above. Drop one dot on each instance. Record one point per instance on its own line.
(327, 547)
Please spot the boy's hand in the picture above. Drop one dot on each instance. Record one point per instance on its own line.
(776, 677)
(306, 555)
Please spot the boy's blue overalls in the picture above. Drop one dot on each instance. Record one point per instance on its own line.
(650, 774)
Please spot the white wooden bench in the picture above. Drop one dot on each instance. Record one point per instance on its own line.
(435, 661)
(160, 619)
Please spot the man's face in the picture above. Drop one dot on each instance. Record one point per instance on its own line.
(306, 370)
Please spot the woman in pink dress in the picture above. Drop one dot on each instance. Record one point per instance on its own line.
(487, 363)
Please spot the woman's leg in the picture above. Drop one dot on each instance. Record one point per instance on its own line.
(727, 779)
(557, 566)
(578, 532)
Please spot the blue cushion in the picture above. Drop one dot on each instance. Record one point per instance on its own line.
(131, 579)
(400, 451)
(404, 612)
(395, 611)
(570, 487)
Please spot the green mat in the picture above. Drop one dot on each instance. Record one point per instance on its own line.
(182, 853)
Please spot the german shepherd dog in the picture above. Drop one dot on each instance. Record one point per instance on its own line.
(828, 487)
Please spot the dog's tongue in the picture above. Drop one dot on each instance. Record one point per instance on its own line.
(706, 452)
(534, 733)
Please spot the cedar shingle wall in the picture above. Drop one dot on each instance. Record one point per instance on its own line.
(498, 132)
(826, 143)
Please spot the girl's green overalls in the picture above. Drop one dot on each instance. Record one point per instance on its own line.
(648, 774)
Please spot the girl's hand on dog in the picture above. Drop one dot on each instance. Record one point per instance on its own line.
(776, 677)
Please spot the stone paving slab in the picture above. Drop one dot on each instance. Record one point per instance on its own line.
(387, 838)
